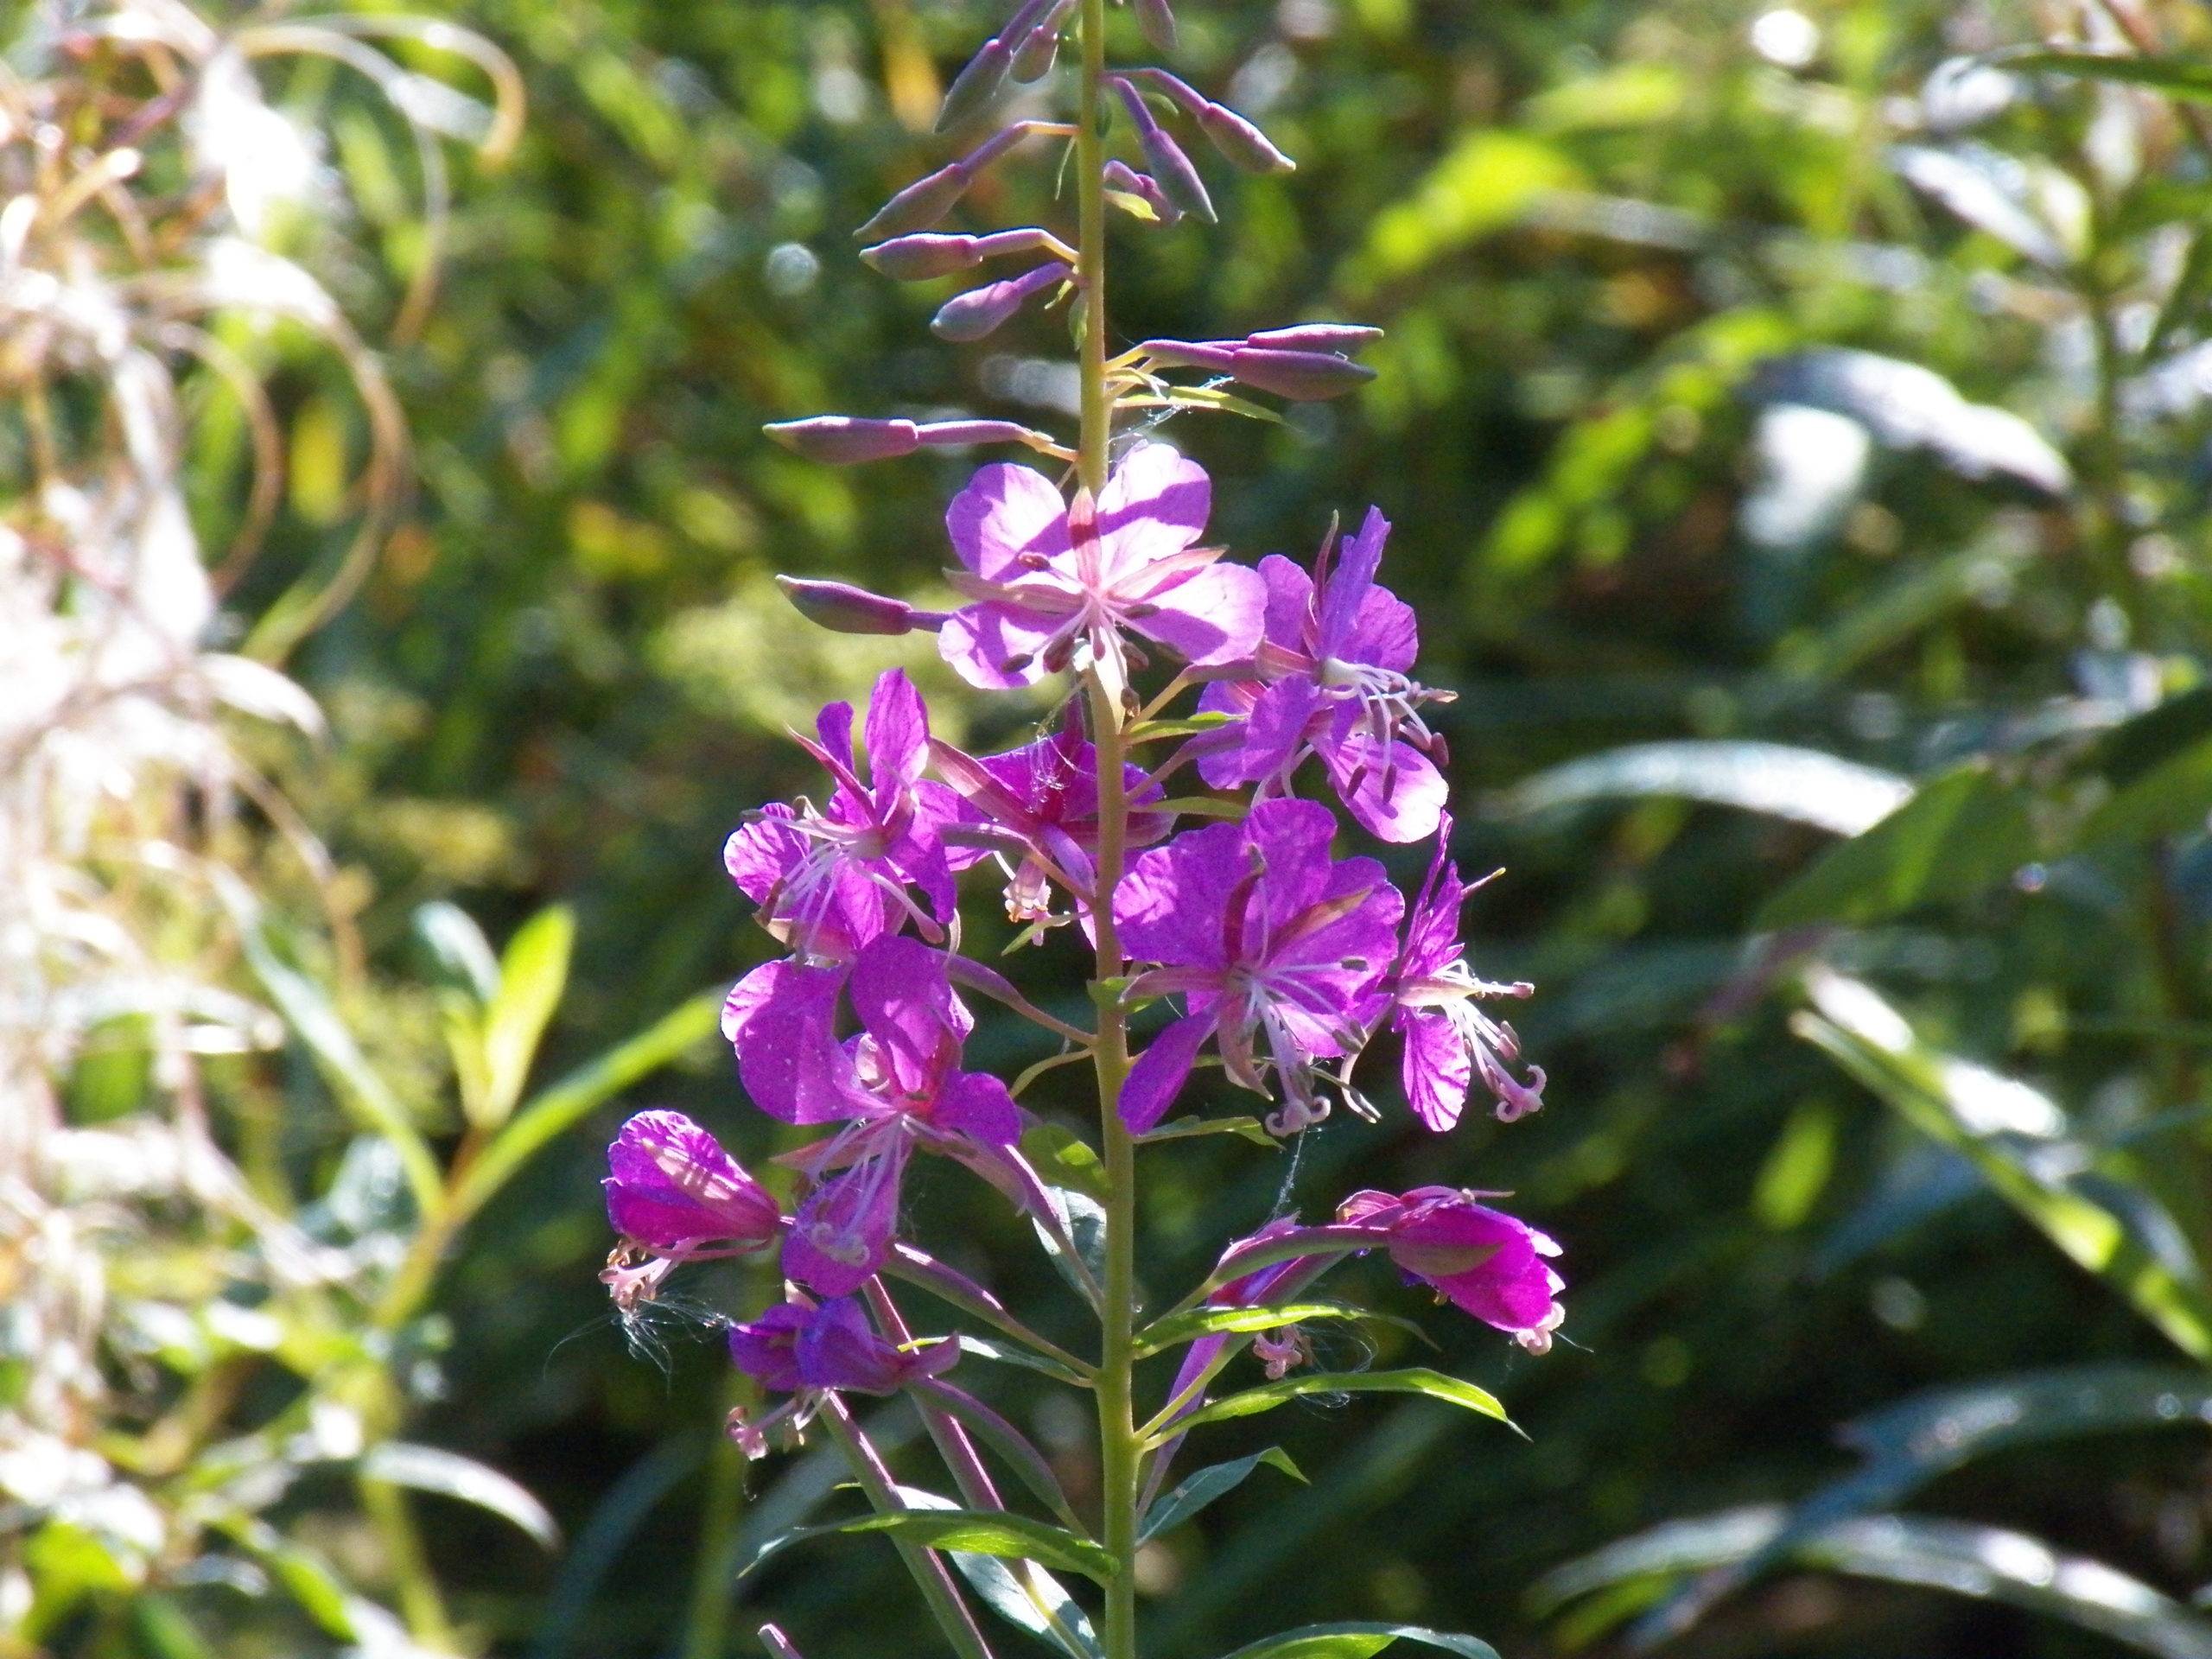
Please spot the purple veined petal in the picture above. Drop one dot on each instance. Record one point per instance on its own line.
(1301, 376)
(1345, 339)
(1275, 730)
(842, 440)
(843, 608)
(1155, 503)
(1432, 934)
(782, 1019)
(976, 84)
(1161, 1071)
(839, 1348)
(1221, 753)
(921, 204)
(1169, 904)
(670, 1183)
(1290, 601)
(1385, 633)
(996, 647)
(1394, 794)
(1435, 1069)
(843, 1232)
(979, 1106)
(898, 734)
(1350, 583)
(981, 311)
(1212, 618)
(1241, 141)
(1155, 18)
(758, 855)
(766, 1349)
(905, 1002)
(1006, 518)
(1292, 838)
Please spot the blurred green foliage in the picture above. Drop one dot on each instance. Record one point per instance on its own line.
(1639, 499)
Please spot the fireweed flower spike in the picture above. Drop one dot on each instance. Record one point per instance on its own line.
(829, 880)
(1275, 946)
(1449, 1040)
(1335, 682)
(1255, 936)
(1055, 587)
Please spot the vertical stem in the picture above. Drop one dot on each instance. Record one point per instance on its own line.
(1090, 244)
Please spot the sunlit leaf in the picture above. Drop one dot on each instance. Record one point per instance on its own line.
(533, 972)
(1214, 1481)
(431, 1469)
(1180, 1328)
(1434, 1385)
(1358, 1640)
(980, 1532)
(2186, 77)
(1802, 785)
(1020, 1592)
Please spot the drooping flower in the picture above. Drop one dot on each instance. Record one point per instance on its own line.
(1449, 1040)
(1269, 938)
(1334, 681)
(1052, 584)
(830, 879)
(896, 1085)
(805, 1349)
(1481, 1260)
(673, 1195)
(1043, 800)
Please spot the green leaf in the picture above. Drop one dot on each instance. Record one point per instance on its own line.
(1268, 1395)
(1961, 832)
(1211, 397)
(1064, 1158)
(1358, 1640)
(556, 1109)
(2189, 78)
(1199, 806)
(1021, 1592)
(2171, 798)
(447, 1474)
(1804, 786)
(1002, 1353)
(1180, 1328)
(2016, 1138)
(1012, 1445)
(1082, 1219)
(533, 972)
(1245, 1128)
(456, 953)
(1214, 1481)
(980, 1532)
(1145, 730)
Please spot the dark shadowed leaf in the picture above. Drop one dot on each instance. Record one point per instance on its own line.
(1359, 1641)
(1214, 1481)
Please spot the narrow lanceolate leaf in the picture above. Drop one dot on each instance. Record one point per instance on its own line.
(2188, 78)
(1804, 786)
(1020, 1593)
(1233, 1321)
(1963, 832)
(1359, 1640)
(1012, 1445)
(431, 1469)
(1413, 1380)
(533, 972)
(1215, 1480)
(978, 1532)
(1185, 1128)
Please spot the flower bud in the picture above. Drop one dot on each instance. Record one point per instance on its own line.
(1241, 142)
(1033, 58)
(1216, 358)
(923, 255)
(1125, 180)
(1158, 23)
(843, 608)
(842, 439)
(1302, 376)
(961, 434)
(1345, 339)
(971, 315)
(976, 84)
(921, 204)
(1179, 181)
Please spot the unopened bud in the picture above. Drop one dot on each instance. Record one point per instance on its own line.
(923, 255)
(1191, 354)
(843, 608)
(961, 434)
(1158, 23)
(921, 204)
(1125, 180)
(980, 310)
(1033, 58)
(1170, 167)
(976, 85)
(1345, 339)
(1302, 376)
(1242, 142)
(842, 439)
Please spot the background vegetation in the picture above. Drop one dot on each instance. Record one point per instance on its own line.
(1794, 423)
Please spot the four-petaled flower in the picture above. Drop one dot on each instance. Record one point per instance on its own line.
(1448, 1039)
(1332, 680)
(830, 879)
(1269, 939)
(673, 1195)
(1055, 585)
(804, 1348)
(897, 1084)
(1482, 1261)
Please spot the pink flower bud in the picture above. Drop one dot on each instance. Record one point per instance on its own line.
(842, 439)
(980, 310)
(961, 435)
(1158, 23)
(1177, 178)
(921, 204)
(1216, 358)
(1345, 339)
(976, 85)
(1241, 142)
(1302, 376)
(843, 608)
(1033, 58)
(923, 255)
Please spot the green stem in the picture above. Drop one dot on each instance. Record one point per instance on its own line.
(1091, 263)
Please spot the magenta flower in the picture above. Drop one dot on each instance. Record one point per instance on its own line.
(829, 879)
(1333, 682)
(1054, 585)
(896, 1085)
(1038, 807)
(1266, 937)
(1449, 1040)
(1480, 1260)
(805, 1349)
(673, 1195)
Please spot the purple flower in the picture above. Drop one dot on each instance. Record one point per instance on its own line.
(1042, 801)
(673, 1195)
(1054, 586)
(1266, 937)
(1333, 682)
(804, 1349)
(1449, 1040)
(1480, 1260)
(896, 1085)
(829, 879)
